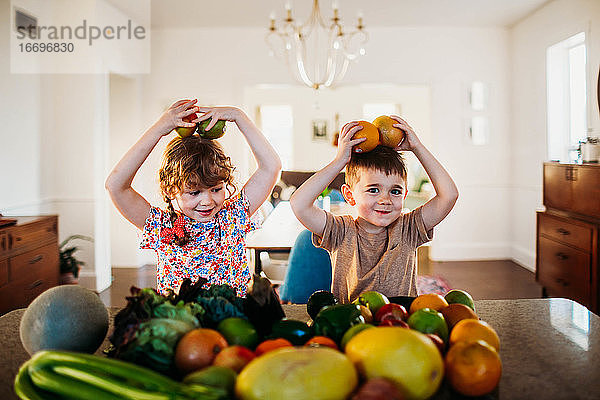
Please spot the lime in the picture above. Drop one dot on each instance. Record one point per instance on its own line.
(238, 331)
(427, 320)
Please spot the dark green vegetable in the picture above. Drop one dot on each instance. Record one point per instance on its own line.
(262, 305)
(297, 332)
(55, 374)
(318, 300)
(334, 321)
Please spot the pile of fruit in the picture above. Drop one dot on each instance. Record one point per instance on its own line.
(371, 349)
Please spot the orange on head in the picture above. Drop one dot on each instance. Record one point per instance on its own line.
(428, 300)
(317, 341)
(370, 132)
(472, 330)
(198, 348)
(456, 312)
(473, 368)
(272, 344)
(390, 135)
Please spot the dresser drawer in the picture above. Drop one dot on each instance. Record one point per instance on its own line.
(564, 271)
(566, 231)
(30, 236)
(35, 265)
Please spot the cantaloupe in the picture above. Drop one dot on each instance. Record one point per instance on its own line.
(68, 317)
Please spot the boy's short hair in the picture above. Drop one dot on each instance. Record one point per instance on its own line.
(382, 158)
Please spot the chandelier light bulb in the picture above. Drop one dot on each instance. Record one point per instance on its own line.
(317, 53)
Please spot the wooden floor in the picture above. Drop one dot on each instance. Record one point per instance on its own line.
(498, 279)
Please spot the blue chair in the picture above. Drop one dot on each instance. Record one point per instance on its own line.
(309, 270)
(336, 196)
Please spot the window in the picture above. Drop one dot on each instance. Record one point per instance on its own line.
(566, 90)
(278, 127)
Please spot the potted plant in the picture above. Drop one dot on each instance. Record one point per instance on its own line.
(69, 265)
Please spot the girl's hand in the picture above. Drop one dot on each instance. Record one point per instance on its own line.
(218, 113)
(173, 117)
(346, 143)
(410, 141)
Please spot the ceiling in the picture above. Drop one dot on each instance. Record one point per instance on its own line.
(169, 14)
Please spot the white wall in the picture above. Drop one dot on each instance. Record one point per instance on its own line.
(530, 38)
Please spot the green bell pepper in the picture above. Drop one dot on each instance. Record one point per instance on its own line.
(333, 321)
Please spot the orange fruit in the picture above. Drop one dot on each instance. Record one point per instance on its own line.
(198, 348)
(456, 312)
(472, 330)
(317, 341)
(271, 344)
(370, 132)
(390, 135)
(473, 368)
(428, 300)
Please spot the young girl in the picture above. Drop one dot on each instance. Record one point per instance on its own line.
(206, 236)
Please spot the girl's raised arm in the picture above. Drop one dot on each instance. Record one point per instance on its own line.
(118, 183)
(261, 183)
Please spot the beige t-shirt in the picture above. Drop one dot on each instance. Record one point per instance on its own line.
(362, 261)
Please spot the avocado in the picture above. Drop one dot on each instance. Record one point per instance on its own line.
(67, 317)
(318, 300)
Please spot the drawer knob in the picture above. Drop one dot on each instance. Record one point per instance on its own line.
(35, 284)
(561, 256)
(563, 232)
(36, 259)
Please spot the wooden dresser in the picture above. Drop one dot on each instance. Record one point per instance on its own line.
(28, 260)
(567, 233)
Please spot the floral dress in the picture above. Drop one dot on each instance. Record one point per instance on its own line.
(216, 250)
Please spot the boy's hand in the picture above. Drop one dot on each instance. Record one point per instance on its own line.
(346, 143)
(411, 141)
(173, 117)
(219, 113)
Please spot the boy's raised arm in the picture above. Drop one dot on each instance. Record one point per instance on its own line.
(446, 192)
(302, 201)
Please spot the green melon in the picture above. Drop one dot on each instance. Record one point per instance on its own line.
(68, 317)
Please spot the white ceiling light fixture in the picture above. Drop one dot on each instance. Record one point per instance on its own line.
(316, 54)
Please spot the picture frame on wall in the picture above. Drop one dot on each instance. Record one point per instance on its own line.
(319, 129)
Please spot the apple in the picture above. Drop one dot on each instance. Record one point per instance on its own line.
(437, 341)
(372, 300)
(391, 321)
(397, 311)
(185, 131)
(215, 132)
(234, 357)
(390, 135)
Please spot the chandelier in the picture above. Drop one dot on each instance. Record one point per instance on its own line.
(316, 54)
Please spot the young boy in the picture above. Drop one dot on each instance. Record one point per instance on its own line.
(377, 250)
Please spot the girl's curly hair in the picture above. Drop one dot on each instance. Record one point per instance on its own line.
(193, 162)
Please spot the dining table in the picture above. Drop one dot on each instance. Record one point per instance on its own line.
(550, 348)
(280, 229)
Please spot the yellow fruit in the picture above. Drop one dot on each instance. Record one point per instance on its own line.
(402, 355)
(473, 368)
(429, 300)
(471, 330)
(303, 373)
(370, 132)
(390, 135)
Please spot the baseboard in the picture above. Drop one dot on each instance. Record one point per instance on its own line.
(524, 257)
(470, 252)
